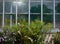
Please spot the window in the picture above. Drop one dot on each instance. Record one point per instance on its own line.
(1, 7)
(35, 10)
(35, 0)
(48, 0)
(57, 6)
(7, 7)
(1, 11)
(57, 20)
(48, 7)
(57, 13)
(23, 8)
(48, 18)
(35, 16)
(48, 11)
(0, 20)
(7, 19)
(23, 17)
(35, 7)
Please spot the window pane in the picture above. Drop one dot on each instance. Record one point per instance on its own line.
(7, 7)
(23, 7)
(13, 18)
(23, 0)
(1, 0)
(48, 0)
(7, 19)
(57, 7)
(8, 4)
(13, 8)
(0, 20)
(35, 16)
(15, 0)
(1, 7)
(48, 7)
(9, 0)
(48, 18)
(35, 7)
(22, 17)
(36, 0)
(57, 0)
(57, 20)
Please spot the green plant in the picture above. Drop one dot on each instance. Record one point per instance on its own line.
(57, 38)
(27, 34)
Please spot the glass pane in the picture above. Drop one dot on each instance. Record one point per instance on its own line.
(23, 7)
(57, 0)
(13, 18)
(9, 0)
(48, 7)
(1, 0)
(23, 0)
(0, 20)
(35, 7)
(57, 7)
(15, 0)
(35, 16)
(48, 18)
(7, 7)
(7, 19)
(57, 20)
(22, 17)
(35, 0)
(13, 8)
(1, 7)
(48, 0)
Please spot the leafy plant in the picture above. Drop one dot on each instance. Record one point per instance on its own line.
(26, 34)
(57, 38)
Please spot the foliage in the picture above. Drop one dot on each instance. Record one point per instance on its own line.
(57, 38)
(48, 27)
(26, 34)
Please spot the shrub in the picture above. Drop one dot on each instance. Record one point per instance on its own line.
(26, 34)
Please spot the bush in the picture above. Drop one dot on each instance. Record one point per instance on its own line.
(57, 39)
(26, 34)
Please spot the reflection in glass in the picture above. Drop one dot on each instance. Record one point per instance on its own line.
(0, 20)
(48, 18)
(57, 0)
(17, 0)
(48, 7)
(35, 7)
(1, 7)
(7, 19)
(48, 0)
(57, 20)
(36, 0)
(7, 7)
(22, 17)
(23, 8)
(57, 7)
(35, 16)
(13, 9)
